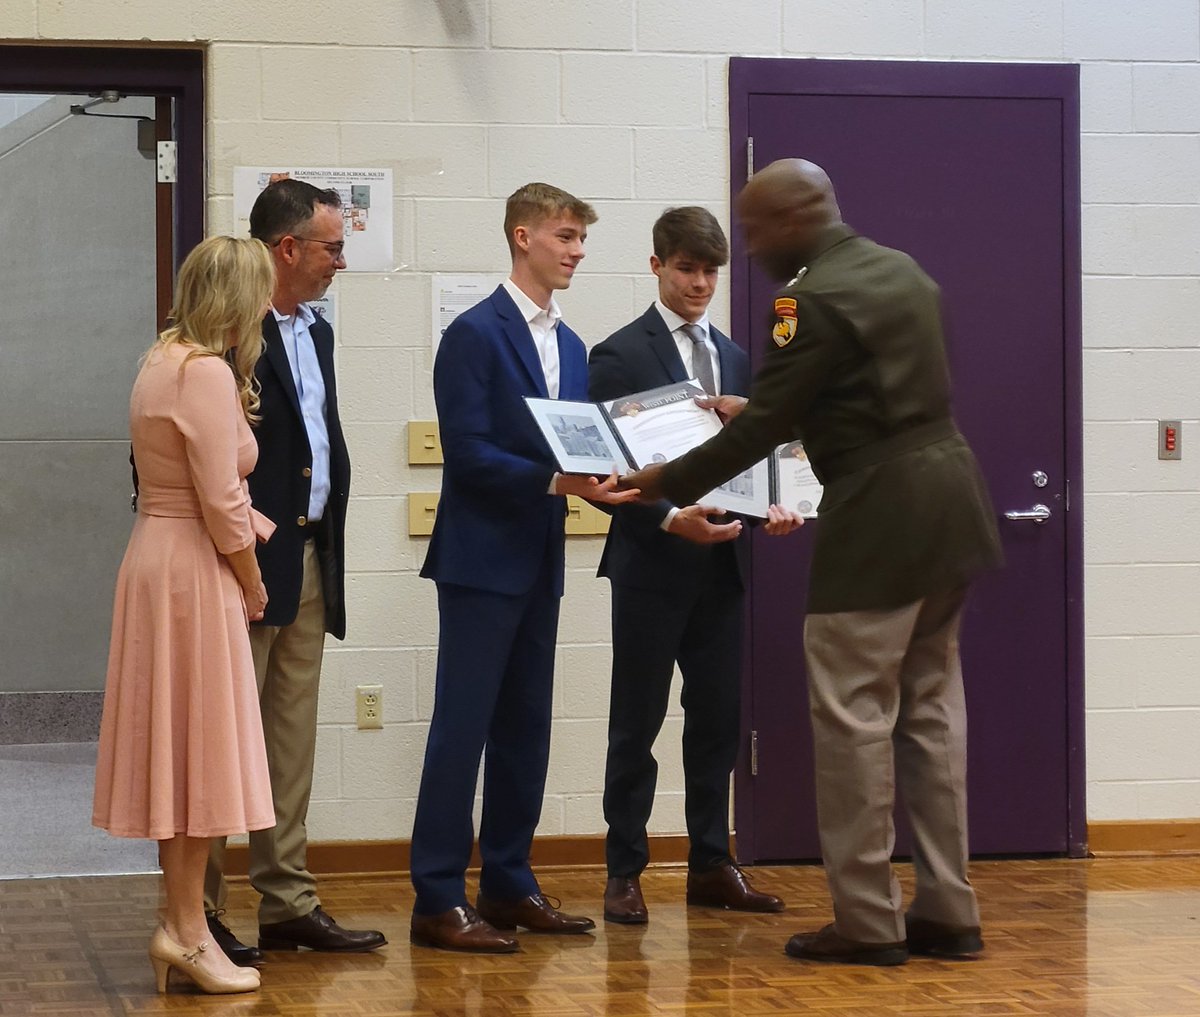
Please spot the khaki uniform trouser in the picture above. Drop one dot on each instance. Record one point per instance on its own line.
(287, 665)
(888, 709)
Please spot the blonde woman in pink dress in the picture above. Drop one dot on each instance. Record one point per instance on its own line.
(181, 757)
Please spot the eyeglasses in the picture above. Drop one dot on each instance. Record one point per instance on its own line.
(334, 247)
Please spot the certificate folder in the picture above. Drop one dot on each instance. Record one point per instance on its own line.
(659, 425)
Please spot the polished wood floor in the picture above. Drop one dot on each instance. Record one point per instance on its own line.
(1102, 938)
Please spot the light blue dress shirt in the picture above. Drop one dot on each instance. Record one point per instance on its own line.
(310, 387)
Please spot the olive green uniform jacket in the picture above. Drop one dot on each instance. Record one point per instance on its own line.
(857, 371)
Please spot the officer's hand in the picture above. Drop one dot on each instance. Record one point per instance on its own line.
(781, 521)
(727, 406)
(692, 523)
(647, 481)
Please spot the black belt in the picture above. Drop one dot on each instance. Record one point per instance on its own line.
(855, 459)
(310, 529)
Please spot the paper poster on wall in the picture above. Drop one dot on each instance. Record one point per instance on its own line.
(453, 294)
(367, 208)
(326, 307)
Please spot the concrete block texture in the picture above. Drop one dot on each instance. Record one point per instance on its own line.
(1112, 30)
(384, 310)
(235, 83)
(719, 26)
(590, 162)
(461, 236)
(336, 83)
(601, 88)
(485, 86)
(687, 166)
(1138, 312)
(1166, 97)
(267, 143)
(1158, 745)
(1121, 456)
(1105, 98)
(1149, 671)
(562, 24)
(1015, 29)
(425, 160)
(1165, 239)
(19, 18)
(853, 27)
(1141, 600)
(1160, 169)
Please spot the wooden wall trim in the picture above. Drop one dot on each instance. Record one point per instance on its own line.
(376, 856)
(1106, 838)
(1143, 837)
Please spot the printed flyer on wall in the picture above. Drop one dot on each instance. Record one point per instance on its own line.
(367, 208)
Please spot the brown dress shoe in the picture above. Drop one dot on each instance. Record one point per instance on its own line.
(534, 913)
(460, 928)
(827, 945)
(937, 939)
(623, 901)
(726, 886)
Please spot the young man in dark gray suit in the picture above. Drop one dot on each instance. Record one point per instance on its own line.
(678, 580)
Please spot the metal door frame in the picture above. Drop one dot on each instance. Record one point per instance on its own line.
(750, 76)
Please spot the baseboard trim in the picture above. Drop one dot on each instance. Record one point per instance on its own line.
(1107, 838)
(332, 858)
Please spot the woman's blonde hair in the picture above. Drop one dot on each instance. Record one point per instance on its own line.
(222, 288)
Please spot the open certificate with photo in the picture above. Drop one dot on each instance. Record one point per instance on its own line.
(655, 426)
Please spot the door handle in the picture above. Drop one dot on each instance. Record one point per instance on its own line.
(1038, 514)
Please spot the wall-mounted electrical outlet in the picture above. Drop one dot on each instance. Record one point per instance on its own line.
(369, 700)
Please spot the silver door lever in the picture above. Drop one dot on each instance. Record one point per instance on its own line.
(1038, 514)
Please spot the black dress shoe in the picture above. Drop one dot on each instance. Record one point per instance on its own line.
(242, 955)
(937, 939)
(828, 946)
(317, 931)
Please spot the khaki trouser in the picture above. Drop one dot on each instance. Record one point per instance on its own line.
(887, 703)
(287, 664)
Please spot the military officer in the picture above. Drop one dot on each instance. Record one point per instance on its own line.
(856, 369)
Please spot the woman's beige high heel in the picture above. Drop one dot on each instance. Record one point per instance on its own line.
(166, 954)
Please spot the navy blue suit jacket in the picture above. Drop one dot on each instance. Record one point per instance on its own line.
(495, 522)
(638, 553)
(280, 487)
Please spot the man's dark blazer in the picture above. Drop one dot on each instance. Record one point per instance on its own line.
(857, 371)
(638, 552)
(282, 481)
(496, 523)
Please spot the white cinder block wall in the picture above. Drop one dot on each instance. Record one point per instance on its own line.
(624, 102)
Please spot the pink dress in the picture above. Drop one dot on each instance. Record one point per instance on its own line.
(181, 742)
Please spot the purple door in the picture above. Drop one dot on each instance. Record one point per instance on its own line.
(972, 169)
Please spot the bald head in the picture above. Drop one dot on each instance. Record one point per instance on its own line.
(783, 209)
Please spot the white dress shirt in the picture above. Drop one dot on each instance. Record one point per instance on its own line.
(685, 345)
(310, 387)
(543, 327)
(686, 350)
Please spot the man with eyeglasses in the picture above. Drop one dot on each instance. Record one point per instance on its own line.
(301, 482)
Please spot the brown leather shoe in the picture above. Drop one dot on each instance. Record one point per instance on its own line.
(726, 886)
(827, 945)
(460, 928)
(937, 939)
(623, 901)
(534, 913)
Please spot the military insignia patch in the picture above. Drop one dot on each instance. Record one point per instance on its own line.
(784, 330)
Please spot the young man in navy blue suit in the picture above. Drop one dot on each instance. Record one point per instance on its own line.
(497, 557)
(678, 580)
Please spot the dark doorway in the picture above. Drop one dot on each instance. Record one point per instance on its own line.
(974, 170)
